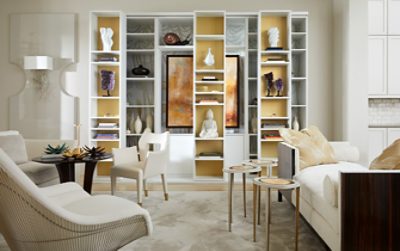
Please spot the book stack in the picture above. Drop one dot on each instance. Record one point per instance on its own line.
(209, 78)
(107, 136)
(107, 125)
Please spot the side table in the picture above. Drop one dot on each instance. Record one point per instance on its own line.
(279, 184)
(241, 169)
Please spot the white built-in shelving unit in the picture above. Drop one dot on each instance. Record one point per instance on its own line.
(139, 41)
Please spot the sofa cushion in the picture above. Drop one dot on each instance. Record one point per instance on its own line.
(39, 173)
(389, 158)
(14, 147)
(313, 147)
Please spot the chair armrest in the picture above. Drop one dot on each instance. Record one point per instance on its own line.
(289, 160)
(156, 163)
(35, 147)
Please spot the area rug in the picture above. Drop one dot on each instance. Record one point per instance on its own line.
(198, 221)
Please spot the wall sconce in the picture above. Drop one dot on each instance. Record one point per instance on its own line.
(39, 66)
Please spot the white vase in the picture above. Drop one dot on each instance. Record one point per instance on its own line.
(138, 125)
(295, 124)
(209, 59)
(149, 122)
(132, 124)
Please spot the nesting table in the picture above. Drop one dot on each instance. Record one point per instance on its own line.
(239, 169)
(279, 184)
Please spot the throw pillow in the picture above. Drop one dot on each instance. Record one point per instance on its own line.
(14, 147)
(314, 148)
(389, 158)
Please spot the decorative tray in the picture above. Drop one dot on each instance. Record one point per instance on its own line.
(275, 181)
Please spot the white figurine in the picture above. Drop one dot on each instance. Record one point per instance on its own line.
(209, 127)
(106, 38)
(273, 37)
(209, 60)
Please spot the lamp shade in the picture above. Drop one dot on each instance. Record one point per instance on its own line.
(38, 63)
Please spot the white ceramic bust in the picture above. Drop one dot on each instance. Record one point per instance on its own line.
(273, 37)
(209, 127)
(106, 38)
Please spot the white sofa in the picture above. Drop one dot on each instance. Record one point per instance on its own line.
(318, 205)
(23, 150)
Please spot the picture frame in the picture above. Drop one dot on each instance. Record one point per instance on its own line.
(179, 91)
(232, 98)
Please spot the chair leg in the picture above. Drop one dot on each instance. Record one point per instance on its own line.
(146, 192)
(113, 184)
(139, 184)
(165, 188)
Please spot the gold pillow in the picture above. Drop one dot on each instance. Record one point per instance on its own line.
(313, 147)
(389, 158)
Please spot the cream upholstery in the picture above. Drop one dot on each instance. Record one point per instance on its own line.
(152, 163)
(23, 150)
(64, 216)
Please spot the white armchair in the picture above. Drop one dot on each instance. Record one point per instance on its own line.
(64, 216)
(152, 162)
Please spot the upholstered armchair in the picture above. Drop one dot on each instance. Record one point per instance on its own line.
(64, 216)
(154, 157)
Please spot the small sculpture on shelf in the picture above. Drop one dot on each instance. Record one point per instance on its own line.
(209, 59)
(270, 82)
(279, 87)
(107, 81)
(138, 125)
(273, 39)
(106, 38)
(171, 38)
(209, 127)
(141, 71)
(149, 122)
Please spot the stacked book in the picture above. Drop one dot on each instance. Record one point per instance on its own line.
(108, 136)
(107, 125)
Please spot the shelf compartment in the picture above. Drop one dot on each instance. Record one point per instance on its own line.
(113, 23)
(269, 149)
(139, 42)
(182, 26)
(210, 25)
(299, 24)
(209, 169)
(269, 20)
(274, 108)
(201, 112)
(278, 72)
(140, 25)
(210, 88)
(217, 49)
(107, 106)
(96, 79)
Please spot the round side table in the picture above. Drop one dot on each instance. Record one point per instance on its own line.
(269, 164)
(279, 184)
(241, 169)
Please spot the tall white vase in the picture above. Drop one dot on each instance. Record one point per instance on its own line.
(295, 124)
(149, 123)
(106, 38)
(138, 125)
(209, 59)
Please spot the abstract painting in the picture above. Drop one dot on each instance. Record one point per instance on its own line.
(232, 92)
(179, 91)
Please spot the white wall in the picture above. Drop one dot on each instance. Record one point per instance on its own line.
(351, 79)
(321, 83)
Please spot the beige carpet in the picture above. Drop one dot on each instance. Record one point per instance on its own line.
(198, 221)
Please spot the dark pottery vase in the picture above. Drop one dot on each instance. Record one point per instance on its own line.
(140, 70)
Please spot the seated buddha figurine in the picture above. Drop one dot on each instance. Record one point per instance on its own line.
(209, 127)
